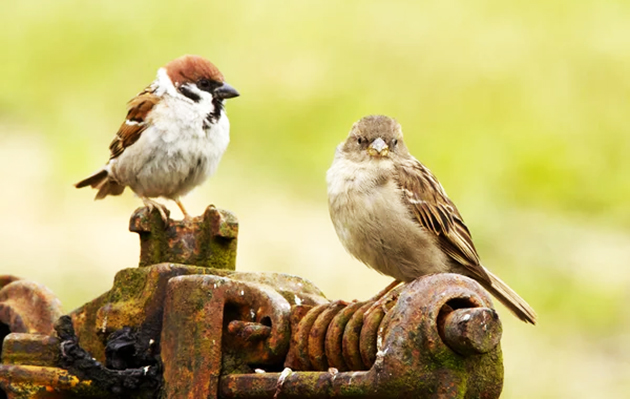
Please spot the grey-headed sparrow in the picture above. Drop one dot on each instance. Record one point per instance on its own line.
(173, 138)
(391, 213)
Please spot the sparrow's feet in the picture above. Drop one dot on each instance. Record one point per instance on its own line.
(149, 203)
(181, 206)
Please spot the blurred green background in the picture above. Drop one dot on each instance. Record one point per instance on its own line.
(520, 108)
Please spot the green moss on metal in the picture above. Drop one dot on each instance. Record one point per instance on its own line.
(135, 300)
(208, 240)
(221, 254)
(127, 284)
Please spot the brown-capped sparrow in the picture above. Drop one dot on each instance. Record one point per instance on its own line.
(392, 214)
(173, 138)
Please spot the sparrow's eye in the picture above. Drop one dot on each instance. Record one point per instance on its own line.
(394, 142)
(203, 84)
(360, 140)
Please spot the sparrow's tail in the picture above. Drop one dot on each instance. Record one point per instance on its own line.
(101, 181)
(510, 299)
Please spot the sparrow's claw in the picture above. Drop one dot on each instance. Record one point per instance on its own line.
(149, 203)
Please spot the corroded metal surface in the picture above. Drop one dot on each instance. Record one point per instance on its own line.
(33, 382)
(439, 339)
(136, 300)
(300, 339)
(335, 335)
(208, 240)
(412, 360)
(472, 331)
(317, 336)
(30, 349)
(248, 325)
(217, 333)
(244, 324)
(28, 307)
(350, 341)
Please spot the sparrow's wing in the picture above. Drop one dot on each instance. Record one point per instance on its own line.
(135, 123)
(434, 211)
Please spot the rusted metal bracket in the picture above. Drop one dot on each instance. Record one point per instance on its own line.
(208, 240)
(408, 353)
(217, 333)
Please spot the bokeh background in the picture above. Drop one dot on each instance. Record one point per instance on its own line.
(520, 108)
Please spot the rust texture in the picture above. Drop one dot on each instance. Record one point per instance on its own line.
(411, 359)
(33, 382)
(27, 307)
(249, 326)
(208, 240)
(136, 300)
(245, 323)
(213, 332)
(30, 349)
(472, 331)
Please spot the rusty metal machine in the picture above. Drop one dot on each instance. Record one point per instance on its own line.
(185, 324)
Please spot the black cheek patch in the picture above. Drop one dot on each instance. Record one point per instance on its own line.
(188, 93)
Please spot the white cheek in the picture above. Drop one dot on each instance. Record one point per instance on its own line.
(205, 98)
(164, 84)
(176, 114)
(206, 101)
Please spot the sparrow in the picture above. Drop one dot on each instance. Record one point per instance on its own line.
(173, 138)
(391, 213)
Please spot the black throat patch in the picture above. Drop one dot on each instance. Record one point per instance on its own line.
(213, 116)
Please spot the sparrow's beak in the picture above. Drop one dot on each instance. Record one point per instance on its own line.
(378, 148)
(225, 91)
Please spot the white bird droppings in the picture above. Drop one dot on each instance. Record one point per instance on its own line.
(283, 376)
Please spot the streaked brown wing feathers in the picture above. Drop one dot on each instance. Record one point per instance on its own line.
(435, 212)
(135, 123)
